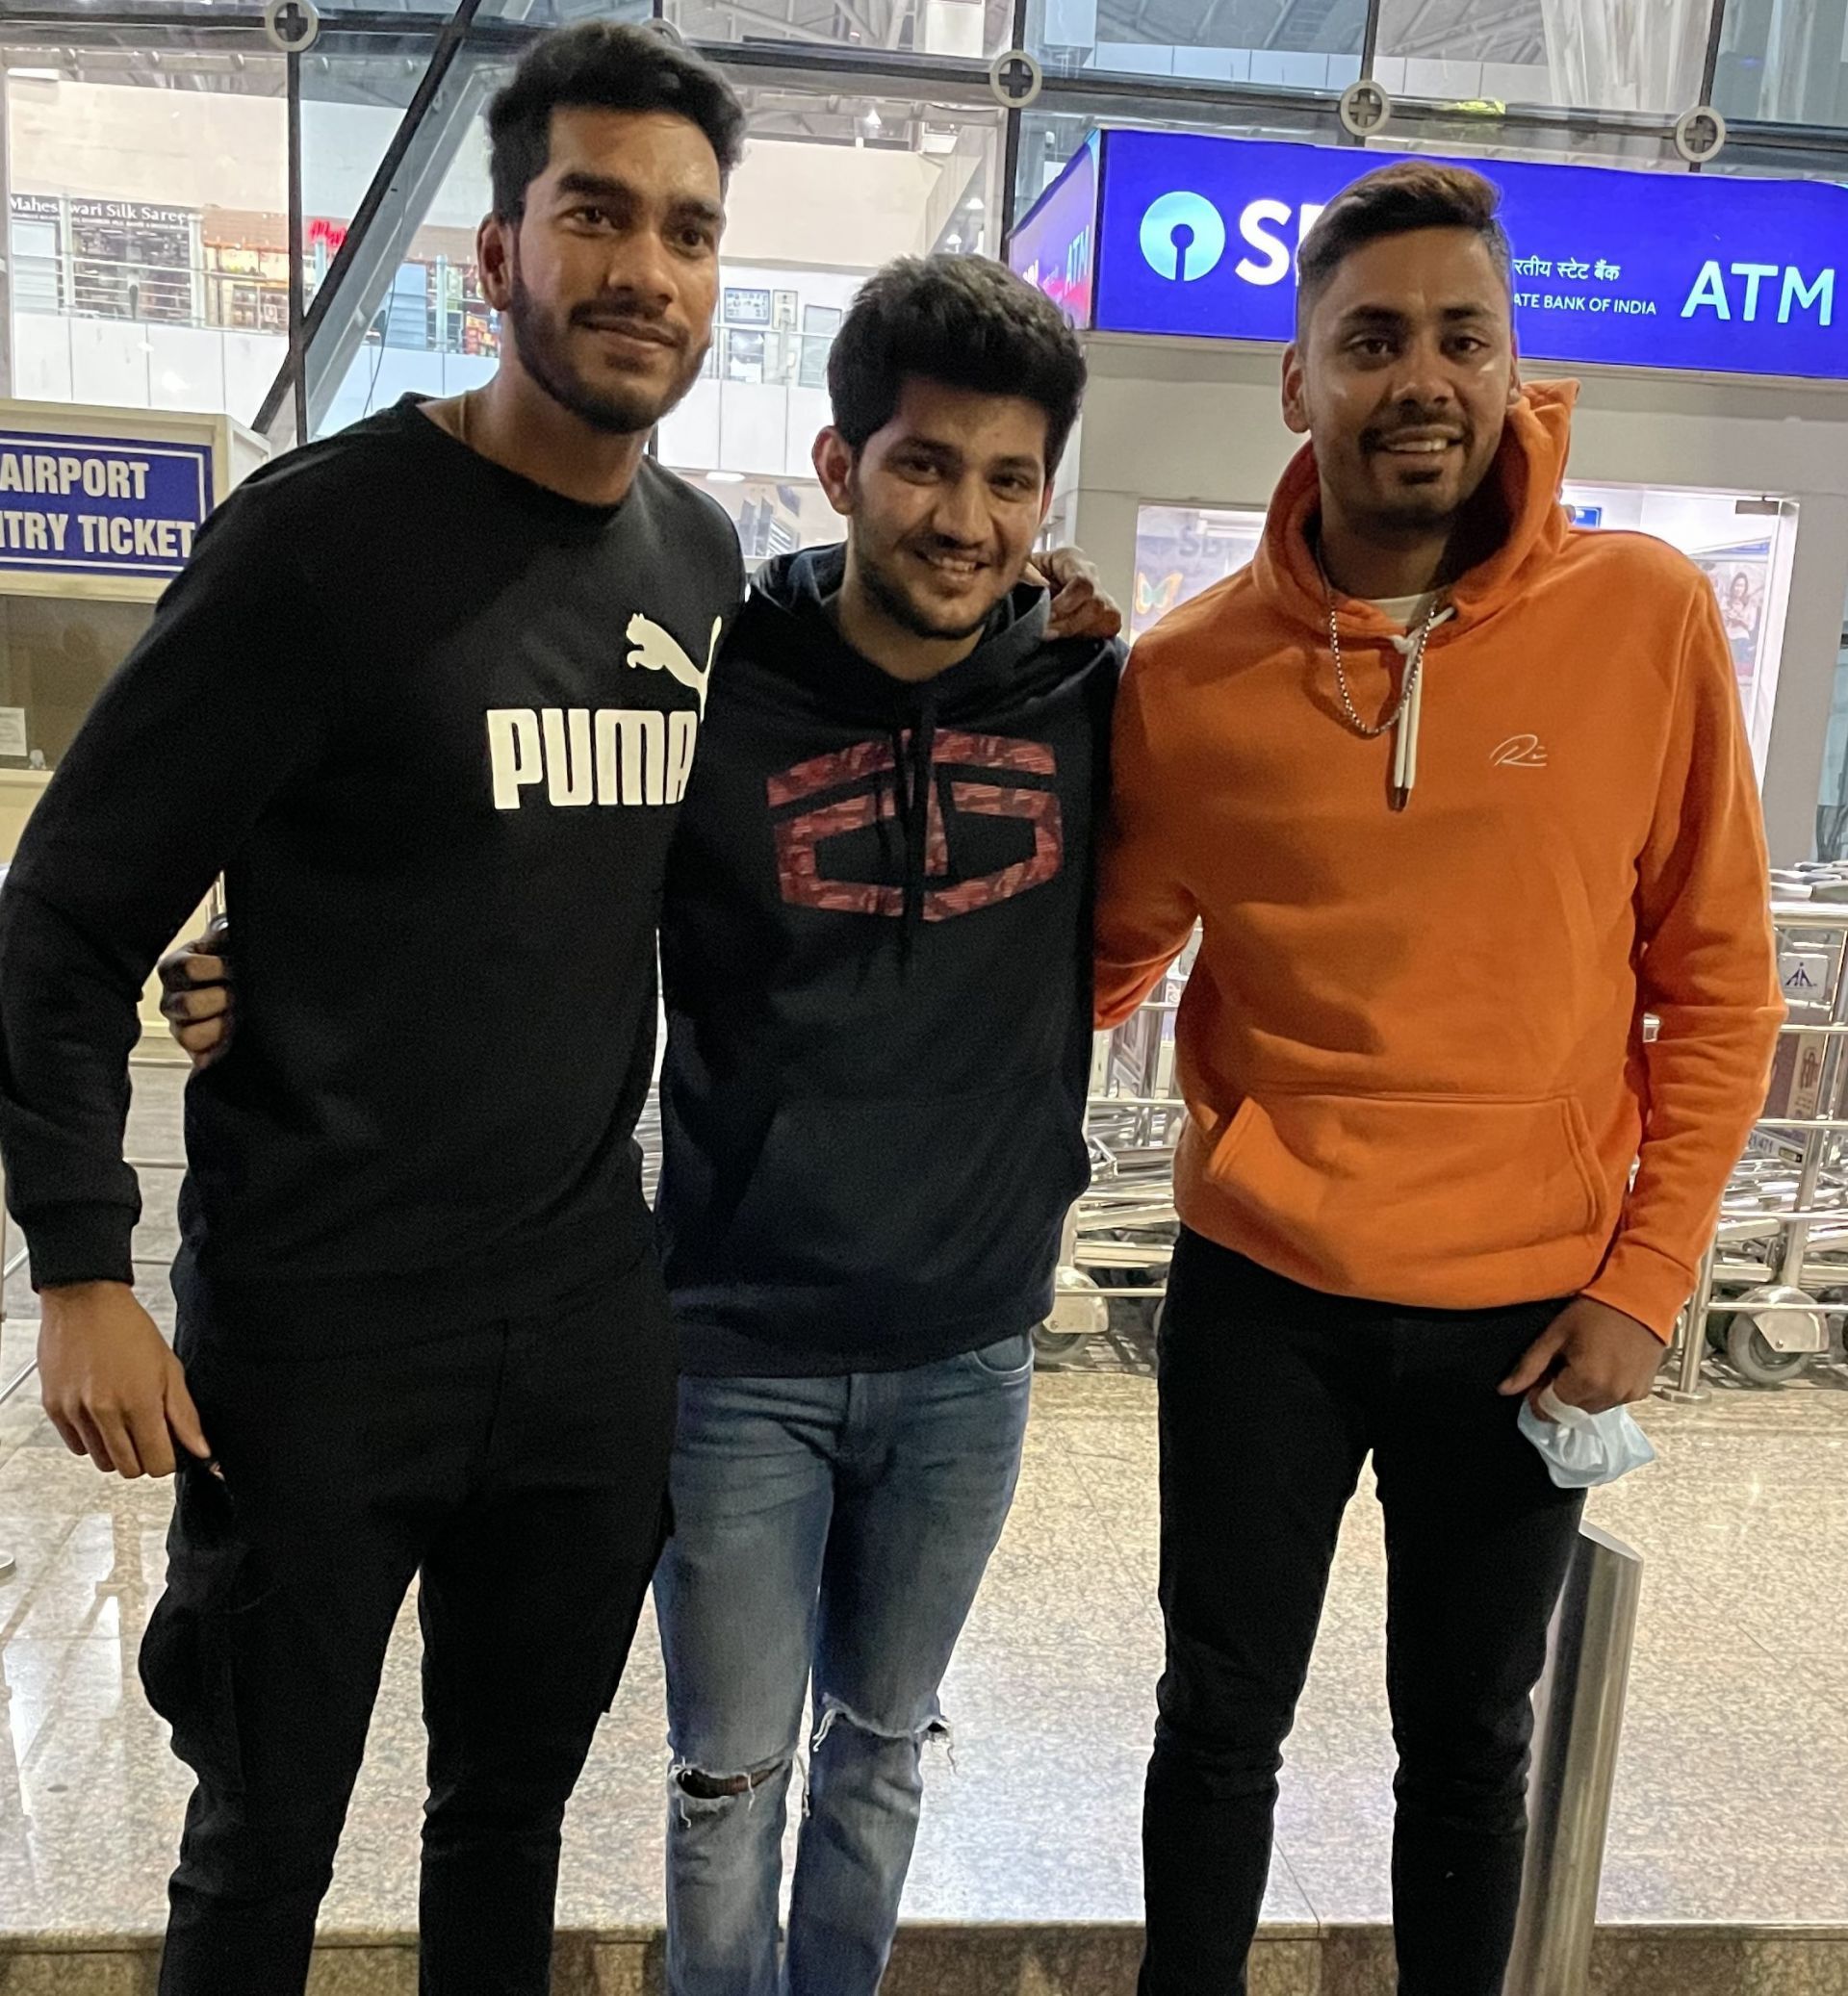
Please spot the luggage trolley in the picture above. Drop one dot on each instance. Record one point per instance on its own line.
(1119, 1236)
(1773, 1290)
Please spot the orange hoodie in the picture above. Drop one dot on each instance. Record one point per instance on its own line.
(1411, 1047)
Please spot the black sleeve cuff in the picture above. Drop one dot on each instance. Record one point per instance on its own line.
(81, 1244)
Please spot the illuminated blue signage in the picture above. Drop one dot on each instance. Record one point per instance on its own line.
(100, 506)
(1198, 236)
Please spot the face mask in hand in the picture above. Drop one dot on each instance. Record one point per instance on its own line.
(1582, 1449)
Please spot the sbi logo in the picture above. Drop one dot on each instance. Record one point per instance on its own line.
(1184, 238)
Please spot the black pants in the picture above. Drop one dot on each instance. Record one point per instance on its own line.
(1271, 1398)
(520, 1468)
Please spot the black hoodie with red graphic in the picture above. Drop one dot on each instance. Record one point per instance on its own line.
(877, 965)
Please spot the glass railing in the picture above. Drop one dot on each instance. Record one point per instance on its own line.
(212, 298)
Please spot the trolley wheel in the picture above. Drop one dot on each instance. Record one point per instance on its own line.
(1051, 1348)
(1755, 1358)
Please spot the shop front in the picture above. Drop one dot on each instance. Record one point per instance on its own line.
(1705, 317)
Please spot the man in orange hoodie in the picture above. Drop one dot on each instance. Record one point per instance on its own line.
(1458, 794)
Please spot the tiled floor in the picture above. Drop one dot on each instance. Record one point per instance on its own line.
(1733, 1801)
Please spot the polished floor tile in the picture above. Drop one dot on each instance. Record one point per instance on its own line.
(1731, 1804)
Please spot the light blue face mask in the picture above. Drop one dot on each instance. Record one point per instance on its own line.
(1582, 1449)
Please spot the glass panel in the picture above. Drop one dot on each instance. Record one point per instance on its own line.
(1743, 543)
(55, 654)
(891, 179)
(432, 333)
(1780, 161)
(772, 515)
(1281, 44)
(1048, 139)
(1596, 55)
(1831, 805)
(1785, 60)
(1181, 550)
(940, 28)
(127, 176)
(1469, 135)
(539, 13)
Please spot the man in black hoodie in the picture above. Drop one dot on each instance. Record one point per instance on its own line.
(877, 962)
(876, 950)
(876, 955)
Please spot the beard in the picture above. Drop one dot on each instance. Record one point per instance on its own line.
(898, 608)
(543, 341)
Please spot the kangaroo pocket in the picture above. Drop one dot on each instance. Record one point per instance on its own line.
(966, 1193)
(1365, 1185)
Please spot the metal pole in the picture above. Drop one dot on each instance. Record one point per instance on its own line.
(8, 275)
(297, 343)
(1834, 1069)
(1578, 1712)
(1687, 1382)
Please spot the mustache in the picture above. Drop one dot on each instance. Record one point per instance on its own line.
(1411, 424)
(622, 315)
(940, 543)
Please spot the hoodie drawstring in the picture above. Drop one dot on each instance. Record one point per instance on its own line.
(1406, 735)
(912, 764)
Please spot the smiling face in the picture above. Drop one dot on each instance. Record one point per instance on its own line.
(609, 279)
(1403, 377)
(942, 505)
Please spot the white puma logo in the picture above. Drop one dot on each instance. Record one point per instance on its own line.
(1520, 751)
(658, 651)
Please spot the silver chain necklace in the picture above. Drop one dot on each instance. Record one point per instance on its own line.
(1414, 667)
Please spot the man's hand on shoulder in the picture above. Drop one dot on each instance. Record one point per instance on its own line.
(1593, 1357)
(1080, 607)
(196, 984)
(113, 1388)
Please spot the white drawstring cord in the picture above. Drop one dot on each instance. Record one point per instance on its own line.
(1406, 732)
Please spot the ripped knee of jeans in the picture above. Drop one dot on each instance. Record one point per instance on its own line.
(697, 1787)
(934, 1731)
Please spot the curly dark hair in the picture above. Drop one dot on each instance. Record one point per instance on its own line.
(965, 321)
(601, 65)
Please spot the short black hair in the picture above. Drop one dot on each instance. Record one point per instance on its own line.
(1412, 195)
(601, 65)
(965, 322)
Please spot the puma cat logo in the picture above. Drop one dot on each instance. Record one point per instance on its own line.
(658, 651)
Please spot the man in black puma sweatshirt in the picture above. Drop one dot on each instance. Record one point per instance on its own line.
(439, 679)
(876, 953)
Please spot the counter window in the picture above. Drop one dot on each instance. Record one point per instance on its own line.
(56, 653)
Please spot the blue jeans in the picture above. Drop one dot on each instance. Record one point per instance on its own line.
(833, 1530)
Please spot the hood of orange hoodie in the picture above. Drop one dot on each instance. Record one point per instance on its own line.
(1529, 468)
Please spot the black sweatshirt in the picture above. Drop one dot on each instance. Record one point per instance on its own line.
(432, 722)
(877, 960)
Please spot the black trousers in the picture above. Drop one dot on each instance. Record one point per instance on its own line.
(1271, 1396)
(518, 1469)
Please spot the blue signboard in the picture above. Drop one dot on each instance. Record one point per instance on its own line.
(1055, 247)
(1198, 236)
(100, 506)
